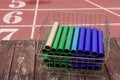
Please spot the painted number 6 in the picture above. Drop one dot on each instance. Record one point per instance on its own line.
(12, 17)
(17, 4)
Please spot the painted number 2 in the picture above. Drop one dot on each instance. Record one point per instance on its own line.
(17, 4)
(11, 32)
(12, 17)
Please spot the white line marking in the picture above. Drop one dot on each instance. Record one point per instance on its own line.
(13, 1)
(30, 26)
(117, 8)
(59, 9)
(18, 9)
(110, 24)
(34, 21)
(103, 8)
(15, 26)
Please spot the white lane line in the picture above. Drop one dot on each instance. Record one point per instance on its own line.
(103, 8)
(29, 26)
(68, 9)
(34, 21)
(110, 24)
(13, 1)
(59, 9)
(18, 9)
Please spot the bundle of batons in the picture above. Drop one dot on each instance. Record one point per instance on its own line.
(74, 47)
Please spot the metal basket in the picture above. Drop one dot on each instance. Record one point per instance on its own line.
(92, 20)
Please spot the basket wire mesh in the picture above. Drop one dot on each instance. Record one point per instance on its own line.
(92, 20)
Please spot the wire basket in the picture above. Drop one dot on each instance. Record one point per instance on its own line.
(58, 64)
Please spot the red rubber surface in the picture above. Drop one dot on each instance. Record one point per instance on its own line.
(29, 23)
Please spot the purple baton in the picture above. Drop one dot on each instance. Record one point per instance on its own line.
(88, 41)
(101, 46)
(94, 43)
(81, 42)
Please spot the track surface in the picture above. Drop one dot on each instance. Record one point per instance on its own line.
(21, 19)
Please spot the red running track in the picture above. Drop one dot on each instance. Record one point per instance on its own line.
(22, 19)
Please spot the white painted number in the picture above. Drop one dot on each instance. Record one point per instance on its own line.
(11, 18)
(17, 4)
(12, 31)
